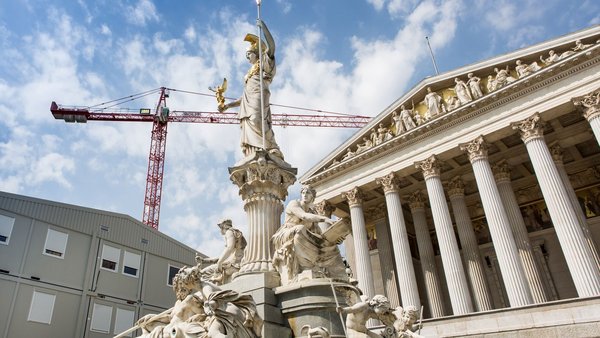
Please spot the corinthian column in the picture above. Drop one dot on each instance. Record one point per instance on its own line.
(557, 156)
(519, 230)
(580, 260)
(364, 271)
(426, 255)
(404, 264)
(590, 106)
(470, 248)
(502, 237)
(453, 268)
(263, 185)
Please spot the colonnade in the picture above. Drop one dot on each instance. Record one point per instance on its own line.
(465, 276)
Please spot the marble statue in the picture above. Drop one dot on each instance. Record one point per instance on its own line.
(418, 119)
(552, 57)
(382, 134)
(250, 114)
(405, 325)
(453, 102)
(367, 143)
(434, 104)
(301, 246)
(526, 69)
(491, 84)
(397, 122)
(349, 154)
(228, 263)
(474, 84)
(462, 91)
(406, 116)
(579, 46)
(503, 77)
(318, 331)
(358, 314)
(203, 310)
(373, 137)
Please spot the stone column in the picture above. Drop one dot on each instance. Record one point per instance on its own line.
(590, 107)
(500, 231)
(426, 255)
(386, 262)
(580, 260)
(263, 185)
(453, 268)
(519, 230)
(557, 156)
(402, 256)
(470, 248)
(361, 247)
(324, 208)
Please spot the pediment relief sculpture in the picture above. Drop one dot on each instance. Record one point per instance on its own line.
(436, 103)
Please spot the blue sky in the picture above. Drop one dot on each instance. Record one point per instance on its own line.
(337, 55)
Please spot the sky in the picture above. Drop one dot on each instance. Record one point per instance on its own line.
(353, 57)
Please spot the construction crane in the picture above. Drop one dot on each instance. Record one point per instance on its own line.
(160, 119)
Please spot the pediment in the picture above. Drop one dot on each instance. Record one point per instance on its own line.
(443, 99)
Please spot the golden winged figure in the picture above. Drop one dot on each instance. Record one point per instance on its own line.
(220, 94)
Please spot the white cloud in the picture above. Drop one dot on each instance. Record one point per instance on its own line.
(141, 13)
(52, 167)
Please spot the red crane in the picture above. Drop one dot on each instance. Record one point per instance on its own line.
(162, 115)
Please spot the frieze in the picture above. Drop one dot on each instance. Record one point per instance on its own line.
(549, 73)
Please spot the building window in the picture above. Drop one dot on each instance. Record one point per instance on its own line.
(131, 263)
(41, 308)
(123, 321)
(110, 257)
(56, 243)
(173, 270)
(101, 317)
(6, 226)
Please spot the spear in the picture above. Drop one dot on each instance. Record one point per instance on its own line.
(260, 75)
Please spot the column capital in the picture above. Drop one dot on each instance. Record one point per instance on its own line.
(476, 149)
(354, 197)
(456, 187)
(530, 128)
(416, 200)
(389, 183)
(557, 153)
(589, 104)
(324, 208)
(501, 172)
(430, 166)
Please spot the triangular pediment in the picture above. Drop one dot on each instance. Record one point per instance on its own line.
(440, 100)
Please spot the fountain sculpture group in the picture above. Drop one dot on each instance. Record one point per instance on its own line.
(281, 280)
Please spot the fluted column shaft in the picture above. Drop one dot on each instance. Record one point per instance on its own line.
(386, 262)
(519, 230)
(401, 247)
(427, 257)
(470, 248)
(556, 152)
(580, 260)
(453, 268)
(511, 268)
(364, 270)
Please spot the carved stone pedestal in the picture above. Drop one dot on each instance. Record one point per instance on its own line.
(312, 303)
(263, 181)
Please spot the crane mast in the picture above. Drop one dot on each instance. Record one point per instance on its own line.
(158, 144)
